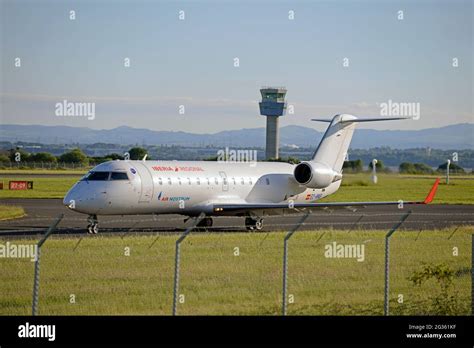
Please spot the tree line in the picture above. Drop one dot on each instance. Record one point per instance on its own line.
(77, 156)
(357, 166)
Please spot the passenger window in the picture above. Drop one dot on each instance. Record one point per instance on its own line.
(198, 181)
(98, 176)
(250, 181)
(189, 181)
(179, 181)
(118, 176)
(208, 182)
(216, 181)
(169, 181)
(242, 181)
(267, 180)
(160, 181)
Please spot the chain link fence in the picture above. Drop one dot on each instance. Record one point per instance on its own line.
(337, 270)
(47, 165)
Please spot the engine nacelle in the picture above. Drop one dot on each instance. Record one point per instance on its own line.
(315, 175)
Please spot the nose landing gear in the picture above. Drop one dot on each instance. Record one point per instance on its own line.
(93, 226)
(253, 224)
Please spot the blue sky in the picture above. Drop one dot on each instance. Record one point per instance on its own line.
(191, 62)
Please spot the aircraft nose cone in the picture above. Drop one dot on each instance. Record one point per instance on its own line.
(66, 200)
(69, 200)
(82, 199)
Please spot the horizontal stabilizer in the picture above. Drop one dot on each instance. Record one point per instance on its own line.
(343, 120)
(322, 120)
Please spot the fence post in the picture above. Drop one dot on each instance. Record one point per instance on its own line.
(177, 260)
(50, 230)
(285, 261)
(387, 261)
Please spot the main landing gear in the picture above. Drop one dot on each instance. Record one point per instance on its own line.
(205, 223)
(253, 223)
(93, 226)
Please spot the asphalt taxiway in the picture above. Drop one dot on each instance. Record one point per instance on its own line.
(40, 213)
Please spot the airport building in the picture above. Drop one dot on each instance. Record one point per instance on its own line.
(273, 105)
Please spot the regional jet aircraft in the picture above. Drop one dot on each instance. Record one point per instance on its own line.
(252, 190)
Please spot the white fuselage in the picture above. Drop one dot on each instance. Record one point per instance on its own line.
(186, 187)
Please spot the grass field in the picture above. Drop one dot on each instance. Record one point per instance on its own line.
(104, 280)
(359, 187)
(10, 212)
(46, 187)
(355, 187)
(42, 171)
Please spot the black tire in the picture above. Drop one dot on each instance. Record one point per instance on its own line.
(95, 228)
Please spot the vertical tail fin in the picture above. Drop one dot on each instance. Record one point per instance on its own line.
(332, 150)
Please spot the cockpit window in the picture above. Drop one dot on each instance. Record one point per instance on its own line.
(118, 176)
(104, 176)
(97, 176)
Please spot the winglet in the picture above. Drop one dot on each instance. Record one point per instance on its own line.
(432, 192)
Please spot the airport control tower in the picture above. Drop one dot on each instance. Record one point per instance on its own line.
(273, 106)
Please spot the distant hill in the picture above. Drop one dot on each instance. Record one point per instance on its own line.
(459, 136)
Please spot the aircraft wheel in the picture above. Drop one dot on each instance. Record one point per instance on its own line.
(208, 222)
(252, 224)
(204, 224)
(248, 224)
(95, 228)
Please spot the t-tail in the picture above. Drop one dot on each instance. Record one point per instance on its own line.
(326, 165)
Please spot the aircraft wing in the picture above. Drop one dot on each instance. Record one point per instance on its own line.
(224, 207)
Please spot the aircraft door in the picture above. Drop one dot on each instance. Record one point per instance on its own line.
(146, 183)
(225, 182)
